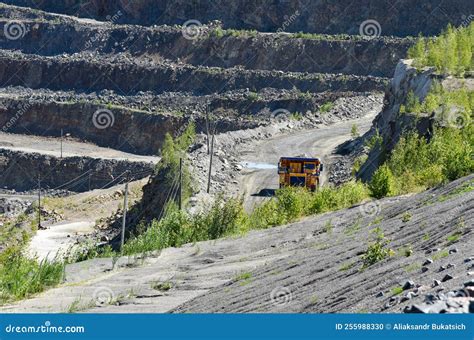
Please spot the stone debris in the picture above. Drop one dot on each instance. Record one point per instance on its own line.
(454, 301)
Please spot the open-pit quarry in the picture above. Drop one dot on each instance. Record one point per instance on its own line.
(89, 91)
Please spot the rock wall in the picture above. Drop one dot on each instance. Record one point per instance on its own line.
(93, 72)
(390, 123)
(131, 131)
(326, 54)
(400, 18)
(20, 171)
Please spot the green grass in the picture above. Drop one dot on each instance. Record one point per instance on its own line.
(162, 286)
(22, 277)
(453, 238)
(296, 116)
(406, 217)
(355, 131)
(377, 220)
(77, 306)
(358, 163)
(328, 227)
(244, 278)
(396, 290)
(354, 228)
(406, 251)
(464, 189)
(347, 266)
(440, 255)
(442, 101)
(253, 96)
(412, 267)
(326, 107)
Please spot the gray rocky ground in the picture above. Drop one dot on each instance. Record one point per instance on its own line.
(302, 267)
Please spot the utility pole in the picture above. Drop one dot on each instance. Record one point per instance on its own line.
(124, 218)
(61, 143)
(207, 127)
(180, 199)
(39, 201)
(210, 165)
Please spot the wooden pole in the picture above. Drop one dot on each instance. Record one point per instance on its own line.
(210, 165)
(39, 201)
(180, 199)
(124, 217)
(61, 143)
(207, 127)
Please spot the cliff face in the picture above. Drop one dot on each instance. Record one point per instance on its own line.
(20, 171)
(92, 72)
(400, 18)
(390, 123)
(253, 51)
(48, 118)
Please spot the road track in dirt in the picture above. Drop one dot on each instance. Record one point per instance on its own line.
(261, 177)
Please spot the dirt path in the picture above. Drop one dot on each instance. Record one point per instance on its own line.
(52, 147)
(259, 176)
(80, 213)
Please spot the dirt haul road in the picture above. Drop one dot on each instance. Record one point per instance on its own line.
(71, 148)
(259, 176)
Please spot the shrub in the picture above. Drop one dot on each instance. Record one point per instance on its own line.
(382, 183)
(224, 218)
(377, 249)
(173, 230)
(326, 107)
(450, 53)
(343, 196)
(291, 202)
(354, 131)
(178, 227)
(171, 152)
(417, 164)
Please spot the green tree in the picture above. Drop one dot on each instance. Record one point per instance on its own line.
(382, 183)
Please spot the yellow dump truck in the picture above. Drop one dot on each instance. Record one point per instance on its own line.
(299, 172)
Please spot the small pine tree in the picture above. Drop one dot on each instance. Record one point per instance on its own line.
(382, 183)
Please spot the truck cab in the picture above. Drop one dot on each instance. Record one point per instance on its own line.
(299, 172)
